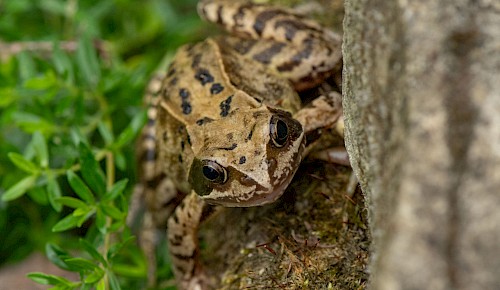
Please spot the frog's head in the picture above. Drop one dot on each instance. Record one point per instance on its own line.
(247, 158)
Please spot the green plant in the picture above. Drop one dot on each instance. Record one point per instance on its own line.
(70, 109)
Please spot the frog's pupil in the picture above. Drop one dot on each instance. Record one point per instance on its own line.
(210, 173)
(282, 130)
(279, 132)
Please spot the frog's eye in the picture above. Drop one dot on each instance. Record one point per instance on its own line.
(278, 130)
(214, 172)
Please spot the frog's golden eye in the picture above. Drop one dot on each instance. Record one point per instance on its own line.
(214, 172)
(278, 130)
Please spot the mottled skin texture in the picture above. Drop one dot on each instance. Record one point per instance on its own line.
(229, 105)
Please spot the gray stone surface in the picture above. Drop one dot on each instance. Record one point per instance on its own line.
(422, 108)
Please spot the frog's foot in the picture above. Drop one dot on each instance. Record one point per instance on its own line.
(198, 282)
(322, 112)
(336, 155)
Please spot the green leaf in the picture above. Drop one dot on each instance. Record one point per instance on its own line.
(87, 286)
(95, 276)
(120, 160)
(20, 188)
(111, 211)
(83, 211)
(100, 221)
(32, 123)
(22, 163)
(113, 282)
(91, 171)
(38, 195)
(57, 255)
(77, 136)
(40, 146)
(117, 225)
(72, 202)
(131, 271)
(116, 190)
(132, 130)
(7, 96)
(106, 133)
(116, 248)
(101, 285)
(80, 187)
(87, 61)
(45, 279)
(80, 264)
(62, 63)
(54, 193)
(89, 248)
(83, 215)
(68, 222)
(41, 82)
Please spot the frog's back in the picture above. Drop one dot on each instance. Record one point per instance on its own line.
(196, 88)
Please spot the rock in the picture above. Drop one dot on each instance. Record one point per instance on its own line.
(422, 112)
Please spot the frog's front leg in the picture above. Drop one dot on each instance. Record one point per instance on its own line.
(183, 242)
(323, 113)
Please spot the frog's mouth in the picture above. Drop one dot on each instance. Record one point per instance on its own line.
(272, 196)
(256, 197)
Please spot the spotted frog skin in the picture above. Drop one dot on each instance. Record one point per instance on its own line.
(226, 125)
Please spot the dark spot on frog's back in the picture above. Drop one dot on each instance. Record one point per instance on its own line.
(249, 137)
(243, 159)
(225, 106)
(204, 76)
(196, 60)
(205, 120)
(244, 46)
(232, 147)
(264, 17)
(239, 15)
(216, 88)
(171, 71)
(173, 81)
(292, 26)
(267, 54)
(298, 57)
(185, 101)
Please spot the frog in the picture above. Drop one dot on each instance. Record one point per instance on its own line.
(226, 126)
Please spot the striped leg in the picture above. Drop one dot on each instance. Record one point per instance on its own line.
(156, 197)
(183, 242)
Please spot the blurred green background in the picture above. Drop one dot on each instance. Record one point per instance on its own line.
(73, 72)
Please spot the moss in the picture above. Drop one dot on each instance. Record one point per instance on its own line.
(314, 237)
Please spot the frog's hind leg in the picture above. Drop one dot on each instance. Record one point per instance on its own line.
(155, 198)
(297, 48)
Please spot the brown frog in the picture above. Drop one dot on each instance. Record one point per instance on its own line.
(226, 125)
